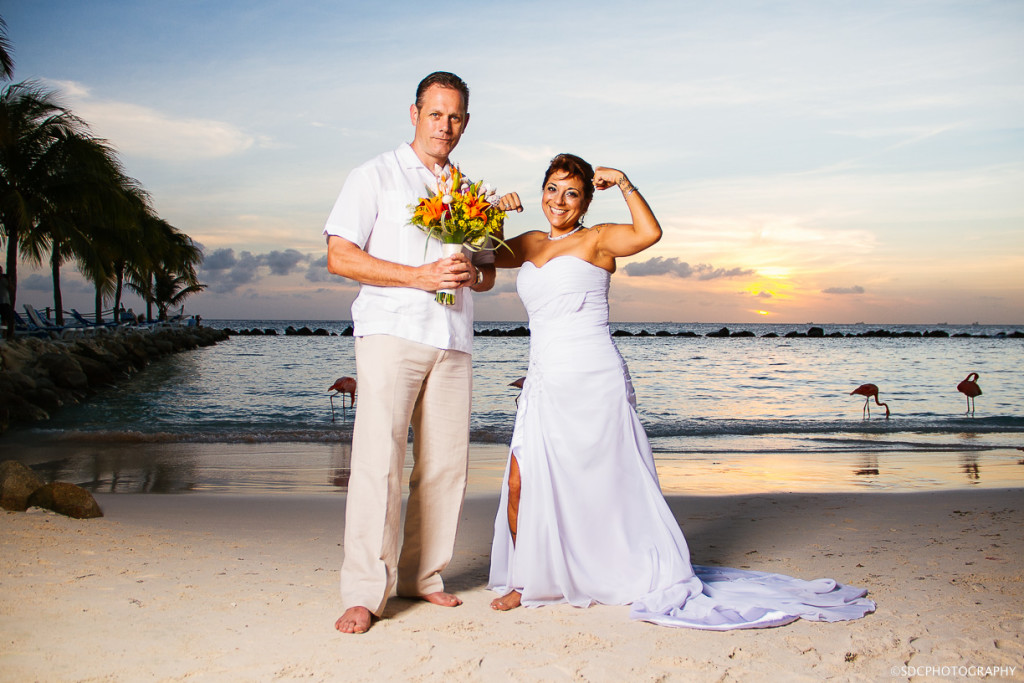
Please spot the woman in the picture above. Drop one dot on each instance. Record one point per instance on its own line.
(582, 518)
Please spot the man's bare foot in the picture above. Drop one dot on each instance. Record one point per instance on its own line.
(507, 602)
(442, 599)
(354, 620)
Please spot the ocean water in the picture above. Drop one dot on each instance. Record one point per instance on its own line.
(725, 415)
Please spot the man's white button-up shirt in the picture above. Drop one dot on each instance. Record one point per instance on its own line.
(373, 212)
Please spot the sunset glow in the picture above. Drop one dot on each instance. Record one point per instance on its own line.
(879, 180)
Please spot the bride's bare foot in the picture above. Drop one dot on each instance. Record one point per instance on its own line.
(354, 620)
(507, 602)
(443, 599)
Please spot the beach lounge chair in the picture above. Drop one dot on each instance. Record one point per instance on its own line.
(46, 325)
(25, 328)
(92, 324)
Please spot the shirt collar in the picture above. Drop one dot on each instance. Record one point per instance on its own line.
(407, 157)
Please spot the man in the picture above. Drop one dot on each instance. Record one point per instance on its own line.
(413, 364)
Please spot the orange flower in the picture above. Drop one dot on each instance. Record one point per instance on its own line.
(476, 207)
(431, 209)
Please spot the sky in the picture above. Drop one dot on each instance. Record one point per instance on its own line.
(809, 161)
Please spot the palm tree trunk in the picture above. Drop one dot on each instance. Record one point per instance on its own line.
(149, 300)
(117, 294)
(58, 299)
(12, 273)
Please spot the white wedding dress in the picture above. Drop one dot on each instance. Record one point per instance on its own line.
(593, 525)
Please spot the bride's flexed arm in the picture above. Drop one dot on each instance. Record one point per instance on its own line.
(627, 239)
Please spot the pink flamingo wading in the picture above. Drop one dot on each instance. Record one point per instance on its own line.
(518, 384)
(868, 391)
(342, 386)
(969, 388)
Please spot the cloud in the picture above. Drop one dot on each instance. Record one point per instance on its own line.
(36, 282)
(69, 282)
(673, 266)
(141, 131)
(531, 154)
(284, 262)
(317, 271)
(222, 271)
(221, 259)
(856, 289)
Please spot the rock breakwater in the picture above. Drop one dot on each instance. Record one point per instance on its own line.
(39, 376)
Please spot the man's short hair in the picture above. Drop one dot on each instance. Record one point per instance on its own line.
(444, 79)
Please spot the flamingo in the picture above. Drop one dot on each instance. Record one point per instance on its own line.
(867, 391)
(969, 388)
(518, 384)
(342, 386)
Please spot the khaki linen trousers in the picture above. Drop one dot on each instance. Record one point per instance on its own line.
(403, 383)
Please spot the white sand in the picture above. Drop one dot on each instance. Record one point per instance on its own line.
(227, 587)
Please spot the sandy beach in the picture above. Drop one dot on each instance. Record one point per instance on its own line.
(209, 586)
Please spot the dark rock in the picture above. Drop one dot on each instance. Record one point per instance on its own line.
(320, 332)
(17, 408)
(18, 382)
(743, 333)
(64, 370)
(46, 399)
(622, 333)
(66, 499)
(815, 332)
(17, 483)
(164, 346)
(99, 374)
(347, 332)
(724, 332)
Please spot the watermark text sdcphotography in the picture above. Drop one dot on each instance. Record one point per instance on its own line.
(957, 671)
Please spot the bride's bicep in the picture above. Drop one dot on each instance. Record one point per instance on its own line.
(618, 239)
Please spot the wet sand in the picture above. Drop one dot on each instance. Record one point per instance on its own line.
(214, 586)
(142, 463)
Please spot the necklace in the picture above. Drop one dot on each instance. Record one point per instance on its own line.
(562, 237)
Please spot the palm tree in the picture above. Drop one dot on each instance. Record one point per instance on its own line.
(6, 60)
(32, 123)
(170, 290)
(87, 190)
(113, 240)
(173, 276)
(64, 191)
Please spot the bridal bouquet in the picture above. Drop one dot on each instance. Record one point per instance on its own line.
(459, 214)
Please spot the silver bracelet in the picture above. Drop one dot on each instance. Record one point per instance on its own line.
(632, 189)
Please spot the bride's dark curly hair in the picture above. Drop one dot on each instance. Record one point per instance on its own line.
(574, 167)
